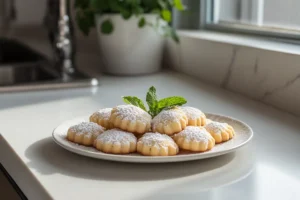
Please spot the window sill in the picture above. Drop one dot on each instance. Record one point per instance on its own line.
(263, 43)
(263, 69)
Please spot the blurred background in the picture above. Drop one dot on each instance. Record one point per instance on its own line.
(41, 46)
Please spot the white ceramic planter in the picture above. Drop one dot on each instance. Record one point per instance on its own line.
(130, 50)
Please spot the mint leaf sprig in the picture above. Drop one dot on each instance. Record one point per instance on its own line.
(155, 105)
(134, 101)
(151, 99)
(170, 102)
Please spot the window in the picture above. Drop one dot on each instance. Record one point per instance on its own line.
(279, 18)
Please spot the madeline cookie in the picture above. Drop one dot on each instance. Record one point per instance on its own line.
(116, 141)
(130, 118)
(156, 144)
(221, 132)
(84, 133)
(169, 121)
(101, 117)
(195, 116)
(194, 138)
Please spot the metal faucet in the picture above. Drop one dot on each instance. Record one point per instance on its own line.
(36, 72)
(61, 34)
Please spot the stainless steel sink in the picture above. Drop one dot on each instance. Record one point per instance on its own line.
(23, 69)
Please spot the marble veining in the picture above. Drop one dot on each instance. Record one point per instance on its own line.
(256, 65)
(262, 80)
(264, 75)
(287, 84)
(230, 67)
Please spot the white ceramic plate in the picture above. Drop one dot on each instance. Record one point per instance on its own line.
(243, 135)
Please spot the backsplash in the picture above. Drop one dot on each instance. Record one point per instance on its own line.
(264, 75)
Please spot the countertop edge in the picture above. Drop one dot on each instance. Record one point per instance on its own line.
(26, 181)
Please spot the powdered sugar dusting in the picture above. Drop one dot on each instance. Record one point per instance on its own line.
(167, 116)
(87, 128)
(132, 113)
(192, 113)
(194, 133)
(116, 135)
(215, 127)
(243, 135)
(103, 113)
(157, 139)
(208, 121)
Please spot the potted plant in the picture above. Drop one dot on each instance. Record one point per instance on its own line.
(130, 32)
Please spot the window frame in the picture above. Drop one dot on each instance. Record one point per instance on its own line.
(209, 17)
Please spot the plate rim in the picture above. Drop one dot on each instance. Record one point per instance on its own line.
(152, 159)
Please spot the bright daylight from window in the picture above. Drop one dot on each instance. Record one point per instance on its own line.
(267, 14)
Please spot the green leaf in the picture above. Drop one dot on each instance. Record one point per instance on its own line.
(81, 4)
(162, 4)
(82, 22)
(170, 102)
(107, 27)
(178, 5)
(114, 5)
(156, 11)
(134, 101)
(174, 35)
(99, 5)
(138, 10)
(166, 15)
(126, 14)
(134, 2)
(151, 100)
(89, 17)
(150, 4)
(142, 22)
(86, 9)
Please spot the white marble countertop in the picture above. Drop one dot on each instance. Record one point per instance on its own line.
(268, 168)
